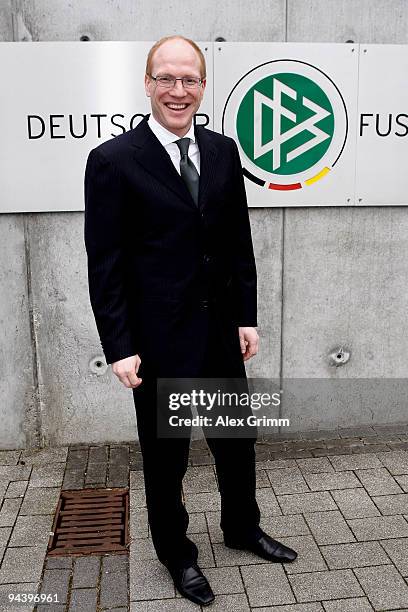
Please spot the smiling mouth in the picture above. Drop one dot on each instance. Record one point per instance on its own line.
(178, 108)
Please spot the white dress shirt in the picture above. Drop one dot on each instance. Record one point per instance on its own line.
(168, 140)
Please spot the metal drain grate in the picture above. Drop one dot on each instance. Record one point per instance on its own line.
(90, 521)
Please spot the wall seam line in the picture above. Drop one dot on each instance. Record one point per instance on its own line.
(33, 438)
(282, 259)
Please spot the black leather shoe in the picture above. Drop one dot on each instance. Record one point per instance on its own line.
(192, 584)
(267, 548)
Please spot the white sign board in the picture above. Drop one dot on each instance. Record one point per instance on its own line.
(316, 124)
(291, 108)
(382, 141)
(62, 99)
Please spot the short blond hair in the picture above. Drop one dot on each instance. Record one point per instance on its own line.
(160, 42)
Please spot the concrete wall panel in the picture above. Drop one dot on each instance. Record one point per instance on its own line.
(78, 405)
(149, 20)
(344, 269)
(362, 21)
(17, 388)
(266, 226)
(345, 279)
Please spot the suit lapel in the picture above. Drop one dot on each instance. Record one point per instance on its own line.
(150, 153)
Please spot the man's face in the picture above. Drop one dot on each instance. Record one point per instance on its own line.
(174, 108)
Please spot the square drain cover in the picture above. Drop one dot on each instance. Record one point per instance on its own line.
(90, 521)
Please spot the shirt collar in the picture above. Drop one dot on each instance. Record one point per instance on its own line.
(164, 135)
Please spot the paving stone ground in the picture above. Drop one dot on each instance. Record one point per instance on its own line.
(340, 498)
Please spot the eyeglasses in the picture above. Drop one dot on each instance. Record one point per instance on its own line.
(168, 81)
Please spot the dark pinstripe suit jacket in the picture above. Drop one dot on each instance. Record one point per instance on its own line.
(156, 261)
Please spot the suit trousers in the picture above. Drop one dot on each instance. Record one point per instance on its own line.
(165, 462)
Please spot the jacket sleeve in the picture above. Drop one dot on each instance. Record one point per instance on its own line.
(244, 278)
(104, 234)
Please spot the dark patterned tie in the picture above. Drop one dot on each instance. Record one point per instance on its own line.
(188, 170)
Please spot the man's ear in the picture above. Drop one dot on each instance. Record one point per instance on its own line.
(147, 85)
(204, 83)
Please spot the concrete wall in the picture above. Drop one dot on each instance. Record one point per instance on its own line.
(328, 277)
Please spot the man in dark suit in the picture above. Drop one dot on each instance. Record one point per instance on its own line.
(172, 283)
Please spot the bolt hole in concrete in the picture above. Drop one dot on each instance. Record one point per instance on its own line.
(98, 366)
(339, 357)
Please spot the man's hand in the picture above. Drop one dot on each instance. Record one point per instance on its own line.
(126, 370)
(249, 341)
